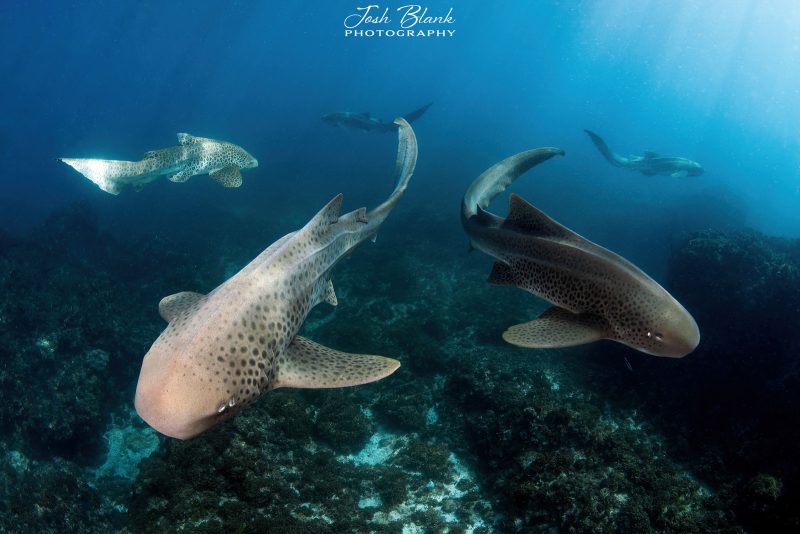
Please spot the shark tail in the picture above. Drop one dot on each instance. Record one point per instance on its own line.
(499, 176)
(417, 113)
(105, 173)
(605, 150)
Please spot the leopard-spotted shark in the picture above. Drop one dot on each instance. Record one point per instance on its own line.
(193, 156)
(595, 293)
(223, 350)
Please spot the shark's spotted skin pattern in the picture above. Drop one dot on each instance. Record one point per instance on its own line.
(221, 351)
(193, 156)
(597, 294)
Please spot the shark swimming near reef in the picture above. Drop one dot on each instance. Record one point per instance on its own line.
(650, 164)
(193, 156)
(366, 122)
(223, 350)
(595, 293)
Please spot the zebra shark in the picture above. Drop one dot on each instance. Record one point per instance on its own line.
(223, 350)
(595, 293)
(221, 160)
(650, 164)
(366, 122)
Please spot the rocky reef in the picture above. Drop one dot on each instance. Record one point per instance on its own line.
(470, 435)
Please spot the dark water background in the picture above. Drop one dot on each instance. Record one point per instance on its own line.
(715, 82)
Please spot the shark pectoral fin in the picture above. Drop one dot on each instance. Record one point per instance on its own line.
(557, 327)
(229, 176)
(330, 295)
(310, 365)
(173, 305)
(679, 174)
(502, 275)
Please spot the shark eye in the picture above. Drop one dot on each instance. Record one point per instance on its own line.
(230, 403)
(657, 335)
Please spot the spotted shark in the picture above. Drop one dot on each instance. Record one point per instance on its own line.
(651, 163)
(193, 156)
(595, 293)
(366, 122)
(223, 350)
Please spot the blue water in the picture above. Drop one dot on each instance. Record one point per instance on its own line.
(717, 82)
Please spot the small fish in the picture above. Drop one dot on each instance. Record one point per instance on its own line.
(193, 156)
(223, 350)
(595, 293)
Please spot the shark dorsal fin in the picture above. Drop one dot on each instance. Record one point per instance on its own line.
(327, 215)
(178, 303)
(523, 215)
(649, 154)
(185, 139)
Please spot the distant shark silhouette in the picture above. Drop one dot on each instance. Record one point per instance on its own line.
(595, 293)
(650, 164)
(193, 156)
(365, 121)
(223, 350)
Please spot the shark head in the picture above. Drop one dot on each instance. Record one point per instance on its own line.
(694, 169)
(673, 333)
(177, 398)
(243, 159)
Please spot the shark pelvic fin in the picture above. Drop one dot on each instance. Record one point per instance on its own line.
(178, 303)
(311, 365)
(557, 327)
(330, 295)
(229, 176)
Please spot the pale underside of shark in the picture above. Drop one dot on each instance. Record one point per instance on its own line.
(366, 122)
(595, 293)
(193, 156)
(223, 350)
(650, 164)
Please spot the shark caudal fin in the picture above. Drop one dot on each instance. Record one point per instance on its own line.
(499, 176)
(604, 149)
(310, 365)
(103, 172)
(417, 113)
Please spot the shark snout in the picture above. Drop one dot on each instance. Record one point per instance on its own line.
(172, 404)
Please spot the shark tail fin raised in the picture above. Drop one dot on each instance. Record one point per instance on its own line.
(604, 149)
(417, 113)
(105, 173)
(404, 167)
(311, 365)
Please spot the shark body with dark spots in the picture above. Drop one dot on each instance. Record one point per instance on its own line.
(366, 122)
(223, 350)
(595, 293)
(193, 156)
(650, 164)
